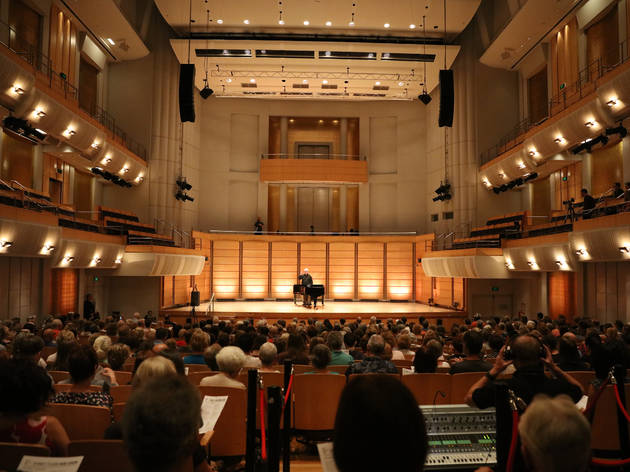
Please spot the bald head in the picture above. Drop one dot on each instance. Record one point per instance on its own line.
(526, 351)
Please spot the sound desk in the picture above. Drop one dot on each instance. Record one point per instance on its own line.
(460, 437)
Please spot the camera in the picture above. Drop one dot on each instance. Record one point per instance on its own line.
(568, 202)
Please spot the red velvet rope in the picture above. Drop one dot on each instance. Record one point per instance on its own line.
(512, 454)
(288, 392)
(263, 434)
(619, 404)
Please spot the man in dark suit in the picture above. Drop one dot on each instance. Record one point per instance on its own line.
(307, 281)
(589, 204)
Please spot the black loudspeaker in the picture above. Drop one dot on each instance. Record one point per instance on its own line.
(447, 98)
(186, 95)
(195, 298)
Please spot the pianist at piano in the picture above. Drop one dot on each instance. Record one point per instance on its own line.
(307, 282)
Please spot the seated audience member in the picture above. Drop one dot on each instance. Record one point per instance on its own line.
(314, 341)
(373, 362)
(24, 390)
(436, 348)
(555, 436)
(48, 335)
(569, 356)
(101, 347)
(66, 342)
(335, 343)
(368, 423)
(117, 355)
(495, 343)
(268, 354)
(27, 346)
(473, 342)
(529, 378)
(160, 439)
(210, 356)
(424, 361)
(152, 368)
(246, 342)
(199, 341)
(350, 341)
(296, 351)
(175, 358)
(82, 366)
(321, 360)
(404, 345)
(230, 360)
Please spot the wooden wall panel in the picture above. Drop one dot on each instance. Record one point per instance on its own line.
(537, 96)
(16, 161)
(443, 294)
(291, 209)
(283, 268)
(255, 269)
(63, 44)
(26, 23)
(424, 285)
(602, 39)
(313, 257)
(561, 287)
(64, 291)
(335, 225)
(273, 209)
(399, 271)
(352, 208)
(313, 170)
(370, 265)
(569, 188)
(202, 281)
(541, 203)
(20, 287)
(605, 287)
(341, 271)
(311, 130)
(459, 293)
(564, 57)
(607, 168)
(226, 269)
(167, 292)
(181, 289)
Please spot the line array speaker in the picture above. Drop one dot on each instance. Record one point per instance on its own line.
(447, 98)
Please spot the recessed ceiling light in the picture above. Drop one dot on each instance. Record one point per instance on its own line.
(327, 54)
(321, 122)
(351, 23)
(252, 80)
(304, 81)
(220, 21)
(111, 41)
(306, 22)
(590, 124)
(386, 25)
(246, 22)
(377, 83)
(291, 120)
(280, 22)
(400, 84)
(324, 81)
(412, 26)
(329, 23)
(228, 80)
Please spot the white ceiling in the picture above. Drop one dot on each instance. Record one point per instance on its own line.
(369, 14)
(354, 78)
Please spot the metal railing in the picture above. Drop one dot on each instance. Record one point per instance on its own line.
(347, 157)
(316, 233)
(164, 227)
(58, 81)
(585, 84)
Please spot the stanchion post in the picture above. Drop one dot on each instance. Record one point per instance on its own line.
(286, 438)
(274, 412)
(250, 445)
(624, 440)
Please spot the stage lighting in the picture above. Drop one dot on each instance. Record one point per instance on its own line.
(443, 192)
(620, 130)
(424, 97)
(206, 92)
(496, 190)
(182, 184)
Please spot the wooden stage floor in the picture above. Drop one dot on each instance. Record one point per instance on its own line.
(332, 310)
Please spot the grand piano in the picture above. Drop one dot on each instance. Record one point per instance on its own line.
(315, 291)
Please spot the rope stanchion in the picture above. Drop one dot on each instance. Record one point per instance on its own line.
(591, 408)
(287, 394)
(622, 409)
(610, 462)
(263, 433)
(512, 453)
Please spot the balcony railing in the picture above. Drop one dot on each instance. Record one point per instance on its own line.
(57, 81)
(346, 157)
(585, 84)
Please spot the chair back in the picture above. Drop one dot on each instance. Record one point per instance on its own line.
(11, 453)
(62, 387)
(48, 351)
(315, 401)
(101, 455)
(340, 369)
(59, 375)
(269, 379)
(81, 421)
(352, 376)
(230, 430)
(120, 393)
(197, 368)
(128, 365)
(443, 370)
(461, 383)
(403, 363)
(425, 388)
(117, 411)
(584, 377)
(123, 377)
(301, 369)
(195, 377)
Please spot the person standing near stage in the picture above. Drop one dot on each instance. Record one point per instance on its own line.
(258, 226)
(307, 282)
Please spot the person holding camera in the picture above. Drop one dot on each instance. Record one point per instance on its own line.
(530, 357)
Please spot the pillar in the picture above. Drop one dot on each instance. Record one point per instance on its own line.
(587, 171)
(343, 138)
(552, 192)
(283, 207)
(625, 152)
(343, 205)
(284, 137)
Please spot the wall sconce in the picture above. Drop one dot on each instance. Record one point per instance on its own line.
(68, 133)
(39, 113)
(580, 252)
(532, 152)
(48, 248)
(96, 260)
(68, 259)
(140, 178)
(590, 123)
(5, 244)
(624, 249)
(18, 89)
(118, 260)
(612, 102)
(521, 165)
(559, 140)
(95, 145)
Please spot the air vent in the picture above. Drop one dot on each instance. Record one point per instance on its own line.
(332, 94)
(364, 56)
(329, 86)
(377, 95)
(258, 92)
(447, 215)
(223, 52)
(435, 217)
(300, 86)
(400, 56)
(249, 85)
(284, 54)
(297, 93)
(380, 87)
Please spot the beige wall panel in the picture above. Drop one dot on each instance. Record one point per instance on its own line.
(370, 269)
(242, 204)
(399, 271)
(283, 268)
(255, 269)
(244, 143)
(383, 145)
(341, 271)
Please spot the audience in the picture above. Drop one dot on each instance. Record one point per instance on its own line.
(199, 341)
(231, 360)
(321, 360)
(268, 355)
(473, 343)
(373, 362)
(335, 343)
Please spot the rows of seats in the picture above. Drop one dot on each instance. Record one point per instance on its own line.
(519, 217)
(502, 228)
(106, 212)
(489, 240)
(549, 228)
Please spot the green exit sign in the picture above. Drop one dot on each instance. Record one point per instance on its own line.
(562, 85)
(495, 289)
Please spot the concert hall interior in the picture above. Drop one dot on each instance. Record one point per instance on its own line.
(421, 176)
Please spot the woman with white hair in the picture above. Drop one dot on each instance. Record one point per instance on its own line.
(268, 354)
(230, 360)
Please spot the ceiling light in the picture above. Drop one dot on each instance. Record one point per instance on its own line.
(521, 165)
(68, 259)
(324, 81)
(280, 22)
(96, 260)
(327, 54)
(532, 152)
(220, 21)
(95, 145)
(412, 26)
(228, 80)
(140, 178)
(335, 122)
(291, 120)
(377, 83)
(118, 260)
(48, 248)
(306, 22)
(17, 89)
(590, 123)
(246, 22)
(532, 263)
(321, 122)
(561, 264)
(304, 81)
(124, 170)
(580, 252)
(351, 23)
(612, 102)
(370, 55)
(39, 113)
(5, 244)
(252, 80)
(400, 84)
(385, 55)
(625, 249)
(111, 41)
(509, 264)
(502, 175)
(386, 25)
(329, 23)
(559, 140)
(69, 132)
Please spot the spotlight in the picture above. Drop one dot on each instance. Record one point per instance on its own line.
(183, 196)
(206, 92)
(620, 130)
(424, 97)
(6, 244)
(443, 192)
(496, 190)
(621, 249)
(182, 184)
(24, 129)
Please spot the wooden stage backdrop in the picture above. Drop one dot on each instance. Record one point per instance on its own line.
(257, 267)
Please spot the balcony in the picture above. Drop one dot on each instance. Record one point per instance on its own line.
(313, 168)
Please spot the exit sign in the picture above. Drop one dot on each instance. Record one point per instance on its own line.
(562, 85)
(495, 289)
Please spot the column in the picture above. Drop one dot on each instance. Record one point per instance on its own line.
(587, 171)
(343, 199)
(343, 137)
(283, 207)
(625, 153)
(552, 192)
(284, 136)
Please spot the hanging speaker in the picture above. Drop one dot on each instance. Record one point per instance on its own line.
(186, 95)
(447, 98)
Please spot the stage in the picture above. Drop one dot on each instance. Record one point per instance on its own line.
(332, 310)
